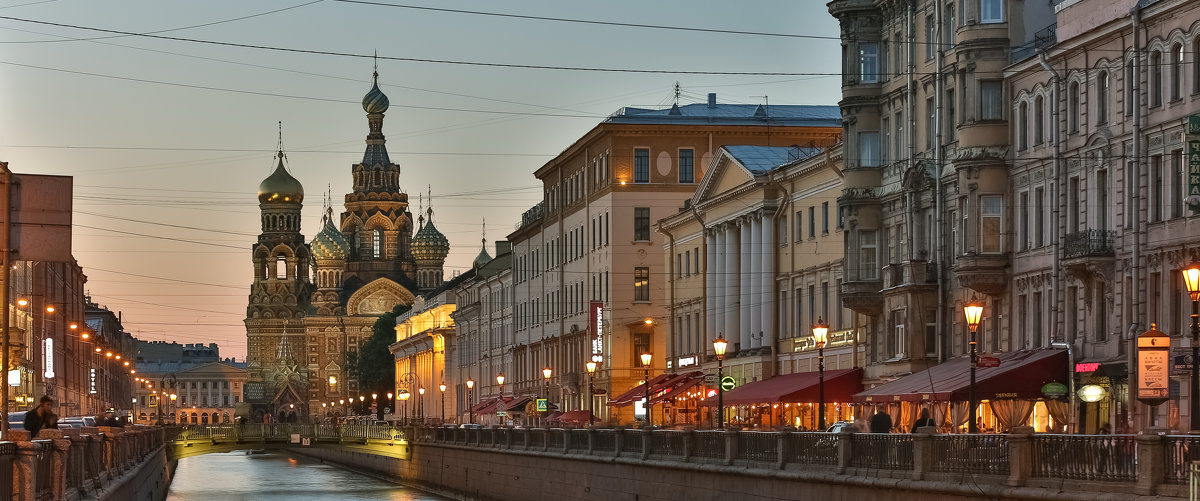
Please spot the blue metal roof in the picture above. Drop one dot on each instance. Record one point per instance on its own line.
(739, 114)
(763, 159)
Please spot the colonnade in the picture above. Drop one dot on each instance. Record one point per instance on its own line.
(740, 271)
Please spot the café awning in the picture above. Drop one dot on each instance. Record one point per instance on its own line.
(658, 384)
(1020, 375)
(840, 386)
(485, 406)
(680, 386)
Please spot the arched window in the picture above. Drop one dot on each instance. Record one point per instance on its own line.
(1156, 72)
(1176, 71)
(1102, 98)
(1023, 126)
(377, 243)
(1073, 107)
(1039, 120)
(1196, 66)
(281, 267)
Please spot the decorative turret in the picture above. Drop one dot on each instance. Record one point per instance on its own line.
(280, 187)
(329, 250)
(429, 250)
(483, 256)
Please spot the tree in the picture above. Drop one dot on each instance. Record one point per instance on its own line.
(373, 365)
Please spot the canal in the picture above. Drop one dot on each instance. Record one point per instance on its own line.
(278, 475)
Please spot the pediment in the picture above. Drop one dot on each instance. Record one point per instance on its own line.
(378, 297)
(725, 174)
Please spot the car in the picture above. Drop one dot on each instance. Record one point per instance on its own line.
(839, 426)
(470, 426)
(78, 421)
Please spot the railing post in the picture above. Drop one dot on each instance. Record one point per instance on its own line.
(25, 471)
(1020, 455)
(78, 462)
(781, 449)
(1151, 462)
(647, 441)
(618, 440)
(923, 451)
(591, 435)
(689, 443)
(731, 446)
(58, 469)
(566, 440)
(845, 445)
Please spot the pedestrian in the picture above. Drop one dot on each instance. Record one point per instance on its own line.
(923, 420)
(881, 422)
(37, 417)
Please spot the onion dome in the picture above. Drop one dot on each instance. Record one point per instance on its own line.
(483, 256)
(329, 244)
(375, 101)
(280, 187)
(429, 244)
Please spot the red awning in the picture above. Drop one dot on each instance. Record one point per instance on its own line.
(553, 416)
(840, 386)
(486, 406)
(677, 387)
(580, 416)
(1020, 375)
(639, 392)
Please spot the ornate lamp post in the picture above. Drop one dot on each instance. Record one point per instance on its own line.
(820, 335)
(546, 373)
(646, 359)
(404, 394)
(421, 404)
(719, 345)
(591, 369)
(973, 312)
(1191, 278)
(442, 387)
(470, 408)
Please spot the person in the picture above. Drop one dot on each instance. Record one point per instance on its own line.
(36, 419)
(923, 420)
(881, 422)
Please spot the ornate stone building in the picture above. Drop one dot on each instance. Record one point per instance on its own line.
(313, 304)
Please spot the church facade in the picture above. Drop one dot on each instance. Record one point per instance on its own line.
(313, 303)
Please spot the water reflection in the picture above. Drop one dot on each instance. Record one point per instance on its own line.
(277, 475)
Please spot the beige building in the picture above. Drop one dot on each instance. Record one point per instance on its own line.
(1099, 184)
(425, 341)
(590, 241)
(483, 330)
(756, 256)
(205, 393)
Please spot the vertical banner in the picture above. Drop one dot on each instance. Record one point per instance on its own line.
(49, 358)
(1193, 162)
(596, 329)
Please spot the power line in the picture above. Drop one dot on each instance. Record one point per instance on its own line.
(408, 59)
(261, 150)
(160, 237)
(167, 279)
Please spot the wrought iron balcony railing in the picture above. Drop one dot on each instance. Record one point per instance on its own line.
(1089, 243)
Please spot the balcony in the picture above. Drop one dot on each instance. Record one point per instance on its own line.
(913, 273)
(862, 296)
(1089, 243)
(986, 273)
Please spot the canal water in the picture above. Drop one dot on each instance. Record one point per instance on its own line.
(278, 476)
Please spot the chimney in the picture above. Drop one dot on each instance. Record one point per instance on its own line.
(503, 246)
(712, 99)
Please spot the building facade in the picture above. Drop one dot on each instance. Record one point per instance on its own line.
(587, 254)
(483, 330)
(311, 304)
(189, 392)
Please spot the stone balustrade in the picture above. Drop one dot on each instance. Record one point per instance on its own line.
(71, 463)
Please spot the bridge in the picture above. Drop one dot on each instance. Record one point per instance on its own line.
(615, 463)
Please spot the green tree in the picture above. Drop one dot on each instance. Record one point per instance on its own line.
(373, 365)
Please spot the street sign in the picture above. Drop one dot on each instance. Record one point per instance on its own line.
(988, 362)
(710, 379)
(501, 413)
(728, 383)
(542, 405)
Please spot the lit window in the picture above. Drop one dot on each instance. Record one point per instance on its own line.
(377, 243)
(281, 267)
(641, 284)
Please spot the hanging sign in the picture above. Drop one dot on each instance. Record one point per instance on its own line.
(596, 328)
(1154, 367)
(49, 358)
(1193, 162)
(1054, 390)
(92, 380)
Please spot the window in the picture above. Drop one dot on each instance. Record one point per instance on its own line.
(825, 217)
(1039, 121)
(1176, 71)
(930, 331)
(825, 301)
(641, 344)
(687, 166)
(991, 100)
(930, 123)
(1130, 97)
(885, 147)
(930, 37)
(1102, 98)
(641, 284)
(991, 11)
(1073, 205)
(641, 223)
(812, 222)
(1073, 107)
(1155, 78)
(1196, 66)
(799, 225)
(281, 267)
(1023, 126)
(1157, 194)
(950, 117)
(991, 223)
(899, 142)
(868, 62)
(377, 243)
(1039, 237)
(868, 149)
(948, 29)
(1177, 186)
(868, 255)
(1102, 199)
(641, 165)
(1024, 221)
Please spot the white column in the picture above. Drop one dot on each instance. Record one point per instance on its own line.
(717, 265)
(744, 292)
(770, 330)
(732, 283)
(754, 309)
(710, 288)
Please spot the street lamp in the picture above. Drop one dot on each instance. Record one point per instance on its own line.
(646, 358)
(421, 404)
(973, 312)
(404, 394)
(442, 387)
(1191, 278)
(591, 369)
(470, 408)
(719, 345)
(500, 381)
(820, 335)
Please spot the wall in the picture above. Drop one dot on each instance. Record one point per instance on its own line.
(149, 481)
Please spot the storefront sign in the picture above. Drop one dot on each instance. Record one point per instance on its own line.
(92, 380)
(986, 362)
(1154, 367)
(49, 373)
(1087, 367)
(835, 339)
(1193, 187)
(1054, 390)
(728, 383)
(1091, 393)
(686, 361)
(596, 329)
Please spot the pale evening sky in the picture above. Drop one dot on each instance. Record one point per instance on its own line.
(167, 139)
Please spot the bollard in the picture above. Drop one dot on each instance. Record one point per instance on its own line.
(1151, 463)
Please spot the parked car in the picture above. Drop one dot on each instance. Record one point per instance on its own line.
(77, 421)
(839, 426)
(16, 421)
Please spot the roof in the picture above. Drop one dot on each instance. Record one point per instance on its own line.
(659, 386)
(762, 159)
(732, 114)
(176, 367)
(840, 386)
(1020, 375)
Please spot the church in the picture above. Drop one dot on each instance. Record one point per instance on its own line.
(313, 302)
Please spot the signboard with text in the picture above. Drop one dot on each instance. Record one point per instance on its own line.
(596, 330)
(1153, 366)
(1193, 162)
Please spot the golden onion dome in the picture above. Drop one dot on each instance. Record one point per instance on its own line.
(280, 187)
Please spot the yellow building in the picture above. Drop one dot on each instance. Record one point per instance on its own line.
(420, 351)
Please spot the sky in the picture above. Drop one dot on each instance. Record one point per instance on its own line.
(167, 115)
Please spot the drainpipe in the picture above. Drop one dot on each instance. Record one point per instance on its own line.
(1135, 21)
(912, 117)
(1056, 328)
(671, 350)
(703, 288)
(774, 256)
(939, 162)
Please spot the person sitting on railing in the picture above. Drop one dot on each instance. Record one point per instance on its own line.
(40, 417)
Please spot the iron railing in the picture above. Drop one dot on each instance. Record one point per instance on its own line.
(1089, 243)
(759, 447)
(987, 454)
(666, 443)
(811, 448)
(605, 442)
(1085, 457)
(709, 444)
(882, 451)
(1179, 452)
